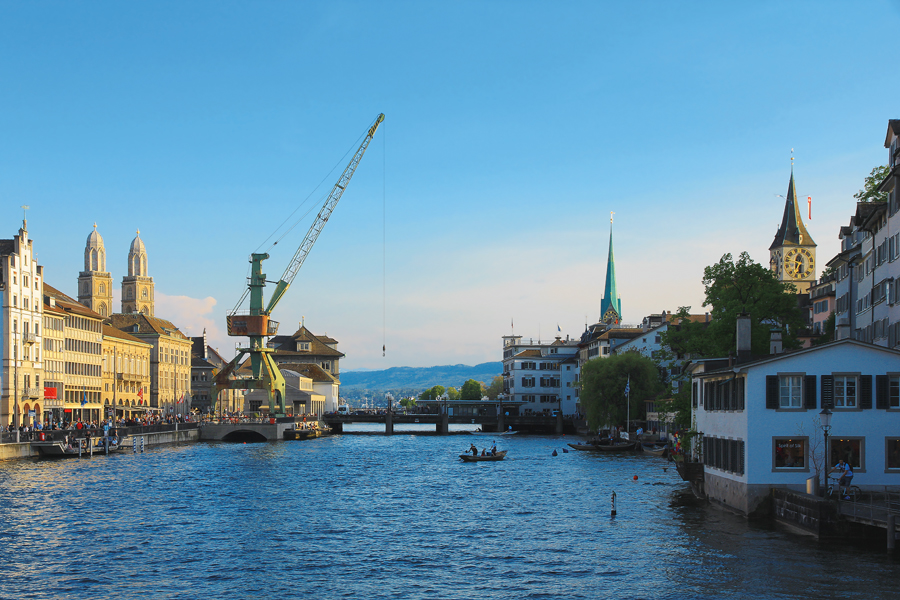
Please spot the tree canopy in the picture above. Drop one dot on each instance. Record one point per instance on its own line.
(495, 388)
(735, 287)
(471, 390)
(432, 394)
(603, 382)
(870, 192)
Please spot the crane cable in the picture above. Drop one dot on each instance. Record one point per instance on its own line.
(383, 246)
(298, 221)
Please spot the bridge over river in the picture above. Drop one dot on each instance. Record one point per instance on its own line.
(534, 424)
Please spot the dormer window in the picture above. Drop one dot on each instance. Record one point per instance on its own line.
(302, 346)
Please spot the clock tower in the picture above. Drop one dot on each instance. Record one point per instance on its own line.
(792, 255)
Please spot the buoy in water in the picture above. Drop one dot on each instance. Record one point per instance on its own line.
(554, 452)
(565, 451)
(635, 477)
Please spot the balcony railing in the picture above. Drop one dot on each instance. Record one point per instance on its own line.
(33, 392)
(29, 337)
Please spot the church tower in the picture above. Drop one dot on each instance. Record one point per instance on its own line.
(94, 283)
(137, 286)
(610, 304)
(792, 255)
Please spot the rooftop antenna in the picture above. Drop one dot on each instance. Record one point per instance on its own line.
(25, 208)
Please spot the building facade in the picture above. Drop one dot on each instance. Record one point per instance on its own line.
(21, 316)
(540, 378)
(126, 373)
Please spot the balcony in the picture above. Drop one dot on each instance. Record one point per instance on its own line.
(29, 337)
(33, 392)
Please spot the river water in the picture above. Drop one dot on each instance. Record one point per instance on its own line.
(368, 516)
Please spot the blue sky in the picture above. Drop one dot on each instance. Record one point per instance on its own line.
(512, 130)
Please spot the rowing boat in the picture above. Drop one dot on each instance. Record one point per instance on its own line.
(655, 449)
(585, 447)
(470, 458)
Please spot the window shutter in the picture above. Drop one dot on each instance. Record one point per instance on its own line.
(881, 391)
(827, 391)
(809, 392)
(865, 391)
(771, 391)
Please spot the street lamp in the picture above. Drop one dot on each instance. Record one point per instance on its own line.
(825, 417)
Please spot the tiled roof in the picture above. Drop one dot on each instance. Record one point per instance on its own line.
(792, 231)
(528, 354)
(310, 370)
(69, 304)
(287, 345)
(201, 363)
(110, 331)
(146, 325)
(7, 247)
(893, 127)
(621, 334)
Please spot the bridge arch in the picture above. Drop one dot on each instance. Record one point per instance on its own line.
(245, 435)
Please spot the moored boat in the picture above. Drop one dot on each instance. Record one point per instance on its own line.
(585, 447)
(660, 450)
(492, 457)
(616, 447)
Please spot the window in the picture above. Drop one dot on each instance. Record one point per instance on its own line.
(724, 454)
(790, 453)
(790, 390)
(303, 346)
(849, 449)
(892, 449)
(845, 391)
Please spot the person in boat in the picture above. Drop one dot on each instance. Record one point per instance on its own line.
(494, 448)
(484, 451)
(474, 450)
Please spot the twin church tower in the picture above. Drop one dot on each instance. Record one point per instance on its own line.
(95, 283)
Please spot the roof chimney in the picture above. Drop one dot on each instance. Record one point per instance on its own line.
(707, 317)
(743, 337)
(842, 330)
(775, 342)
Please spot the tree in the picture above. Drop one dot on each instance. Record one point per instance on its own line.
(603, 382)
(432, 394)
(452, 393)
(744, 286)
(827, 331)
(870, 192)
(495, 388)
(471, 390)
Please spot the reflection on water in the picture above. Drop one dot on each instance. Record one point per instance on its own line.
(396, 517)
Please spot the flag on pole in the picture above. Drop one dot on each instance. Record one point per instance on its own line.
(809, 205)
(83, 395)
(558, 329)
(628, 386)
(141, 395)
(181, 400)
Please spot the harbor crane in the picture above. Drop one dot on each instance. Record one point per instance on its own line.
(256, 323)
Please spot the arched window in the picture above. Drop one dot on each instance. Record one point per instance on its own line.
(103, 310)
(94, 262)
(143, 293)
(102, 289)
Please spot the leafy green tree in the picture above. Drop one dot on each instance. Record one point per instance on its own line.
(452, 393)
(743, 286)
(495, 388)
(471, 390)
(828, 331)
(870, 192)
(603, 382)
(432, 394)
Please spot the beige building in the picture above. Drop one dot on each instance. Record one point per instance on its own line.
(82, 356)
(21, 310)
(54, 360)
(170, 359)
(126, 372)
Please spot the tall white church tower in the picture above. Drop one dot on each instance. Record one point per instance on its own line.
(137, 286)
(94, 283)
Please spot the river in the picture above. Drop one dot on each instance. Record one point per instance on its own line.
(363, 515)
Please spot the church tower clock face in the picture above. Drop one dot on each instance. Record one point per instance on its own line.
(799, 263)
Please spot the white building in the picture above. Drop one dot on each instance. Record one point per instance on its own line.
(539, 378)
(760, 420)
(21, 314)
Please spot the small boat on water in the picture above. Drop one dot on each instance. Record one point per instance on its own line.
(585, 447)
(470, 458)
(306, 434)
(660, 450)
(60, 449)
(509, 433)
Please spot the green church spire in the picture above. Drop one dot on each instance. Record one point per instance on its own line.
(610, 304)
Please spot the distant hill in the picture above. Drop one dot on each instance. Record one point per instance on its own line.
(421, 378)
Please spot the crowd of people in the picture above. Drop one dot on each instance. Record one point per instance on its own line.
(31, 431)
